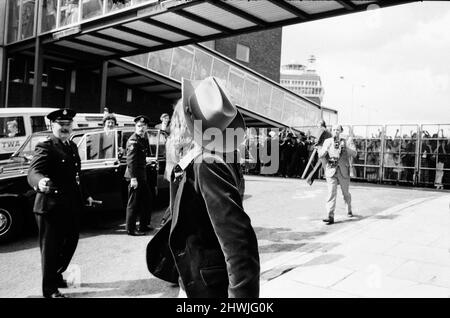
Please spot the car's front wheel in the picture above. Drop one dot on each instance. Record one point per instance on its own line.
(11, 222)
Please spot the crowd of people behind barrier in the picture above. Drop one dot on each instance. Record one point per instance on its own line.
(417, 157)
(294, 150)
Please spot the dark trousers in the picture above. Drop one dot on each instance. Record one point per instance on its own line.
(58, 239)
(139, 205)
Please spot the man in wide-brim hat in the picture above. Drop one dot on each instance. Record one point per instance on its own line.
(211, 116)
(213, 247)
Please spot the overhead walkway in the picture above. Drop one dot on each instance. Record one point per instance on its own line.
(263, 102)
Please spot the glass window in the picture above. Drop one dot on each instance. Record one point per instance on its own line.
(114, 5)
(76, 138)
(82, 149)
(27, 29)
(183, 59)
(243, 53)
(38, 124)
(153, 141)
(162, 145)
(12, 127)
(101, 146)
(27, 149)
(92, 8)
(48, 15)
(69, 12)
(13, 20)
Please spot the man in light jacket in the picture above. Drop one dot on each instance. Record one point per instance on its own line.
(337, 152)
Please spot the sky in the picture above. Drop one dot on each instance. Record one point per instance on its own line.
(395, 62)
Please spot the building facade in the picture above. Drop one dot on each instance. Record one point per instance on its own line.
(260, 51)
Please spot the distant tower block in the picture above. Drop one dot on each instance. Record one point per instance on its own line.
(303, 80)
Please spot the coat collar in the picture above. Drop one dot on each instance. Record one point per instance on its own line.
(188, 157)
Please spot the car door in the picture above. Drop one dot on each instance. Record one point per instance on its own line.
(102, 171)
(157, 141)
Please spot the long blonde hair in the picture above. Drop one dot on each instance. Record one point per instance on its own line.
(180, 140)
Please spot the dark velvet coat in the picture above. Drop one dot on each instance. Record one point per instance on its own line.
(213, 244)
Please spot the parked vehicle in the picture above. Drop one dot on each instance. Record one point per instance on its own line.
(102, 176)
(16, 124)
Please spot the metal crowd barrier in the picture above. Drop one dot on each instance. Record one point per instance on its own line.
(416, 155)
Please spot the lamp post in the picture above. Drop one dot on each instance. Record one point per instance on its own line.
(354, 85)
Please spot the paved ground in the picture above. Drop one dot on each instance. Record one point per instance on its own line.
(398, 244)
(403, 251)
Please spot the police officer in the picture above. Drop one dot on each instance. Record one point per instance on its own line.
(54, 175)
(139, 195)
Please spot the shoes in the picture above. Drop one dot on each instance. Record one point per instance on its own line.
(62, 283)
(56, 294)
(136, 233)
(350, 214)
(145, 228)
(329, 221)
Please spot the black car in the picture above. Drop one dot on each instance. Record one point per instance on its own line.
(103, 165)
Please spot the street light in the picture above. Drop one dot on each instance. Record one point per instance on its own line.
(353, 90)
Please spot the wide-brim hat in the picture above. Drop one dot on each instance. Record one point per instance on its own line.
(208, 102)
(61, 114)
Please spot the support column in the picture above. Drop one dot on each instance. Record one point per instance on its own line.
(67, 88)
(4, 78)
(38, 57)
(104, 82)
(38, 68)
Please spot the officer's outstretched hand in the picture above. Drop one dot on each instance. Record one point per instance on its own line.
(43, 185)
(148, 159)
(133, 183)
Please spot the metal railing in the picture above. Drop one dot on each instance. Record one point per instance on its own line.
(416, 155)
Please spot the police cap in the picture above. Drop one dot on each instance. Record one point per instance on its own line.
(142, 119)
(62, 114)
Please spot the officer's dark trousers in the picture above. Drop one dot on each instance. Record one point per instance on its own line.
(139, 205)
(58, 239)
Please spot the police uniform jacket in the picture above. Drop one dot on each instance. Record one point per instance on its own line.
(211, 239)
(344, 158)
(137, 150)
(61, 164)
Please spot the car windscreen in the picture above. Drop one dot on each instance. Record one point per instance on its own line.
(27, 149)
